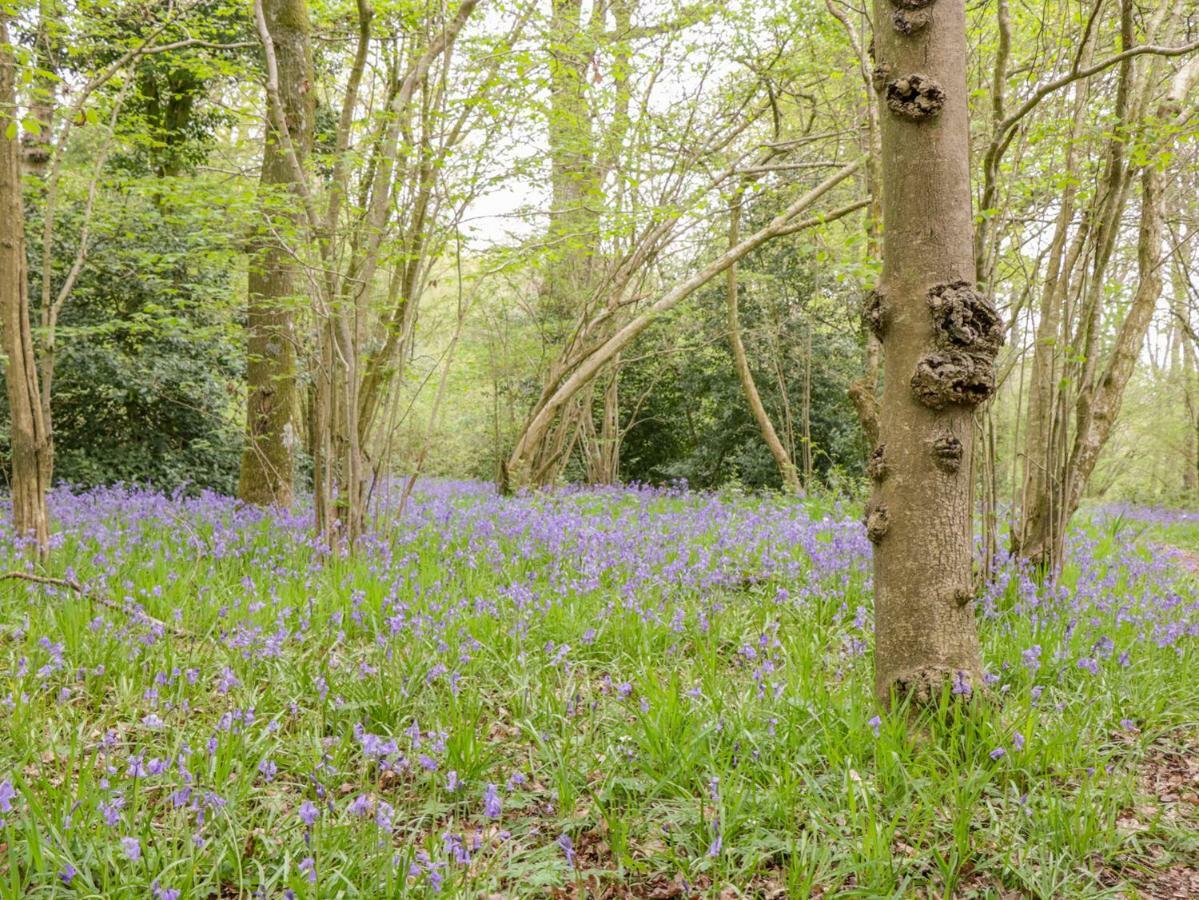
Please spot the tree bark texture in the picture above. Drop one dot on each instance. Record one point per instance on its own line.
(741, 361)
(939, 338)
(29, 438)
(267, 466)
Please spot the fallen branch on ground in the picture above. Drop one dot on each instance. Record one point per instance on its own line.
(106, 602)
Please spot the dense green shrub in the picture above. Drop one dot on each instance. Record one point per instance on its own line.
(148, 378)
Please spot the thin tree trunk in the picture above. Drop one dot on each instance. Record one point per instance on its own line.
(939, 337)
(806, 433)
(557, 396)
(29, 438)
(1039, 485)
(782, 459)
(1190, 437)
(576, 196)
(611, 435)
(52, 302)
(1052, 492)
(1108, 396)
(575, 203)
(268, 466)
(37, 143)
(990, 495)
(600, 447)
(863, 391)
(1190, 456)
(322, 453)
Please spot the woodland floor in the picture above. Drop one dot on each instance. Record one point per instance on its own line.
(615, 693)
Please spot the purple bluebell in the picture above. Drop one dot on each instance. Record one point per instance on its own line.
(491, 802)
(132, 848)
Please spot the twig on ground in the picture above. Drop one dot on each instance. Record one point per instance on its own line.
(96, 597)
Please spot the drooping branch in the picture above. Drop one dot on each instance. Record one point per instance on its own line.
(1057, 84)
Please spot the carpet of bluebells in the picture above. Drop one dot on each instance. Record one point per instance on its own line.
(626, 692)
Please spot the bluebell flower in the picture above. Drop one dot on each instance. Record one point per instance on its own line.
(568, 849)
(308, 813)
(132, 848)
(491, 802)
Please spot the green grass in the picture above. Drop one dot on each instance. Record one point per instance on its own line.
(709, 725)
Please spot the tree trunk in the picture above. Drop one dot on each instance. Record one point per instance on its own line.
(29, 439)
(575, 203)
(1100, 389)
(1059, 458)
(1190, 457)
(600, 447)
(267, 466)
(574, 174)
(611, 436)
(863, 391)
(781, 458)
(939, 337)
(1190, 460)
(1040, 490)
(806, 432)
(579, 371)
(323, 463)
(37, 143)
(1095, 430)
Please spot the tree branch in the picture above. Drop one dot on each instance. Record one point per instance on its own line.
(101, 599)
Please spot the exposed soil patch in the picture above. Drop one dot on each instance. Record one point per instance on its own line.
(1169, 785)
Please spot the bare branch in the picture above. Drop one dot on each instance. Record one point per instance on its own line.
(587, 367)
(107, 602)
